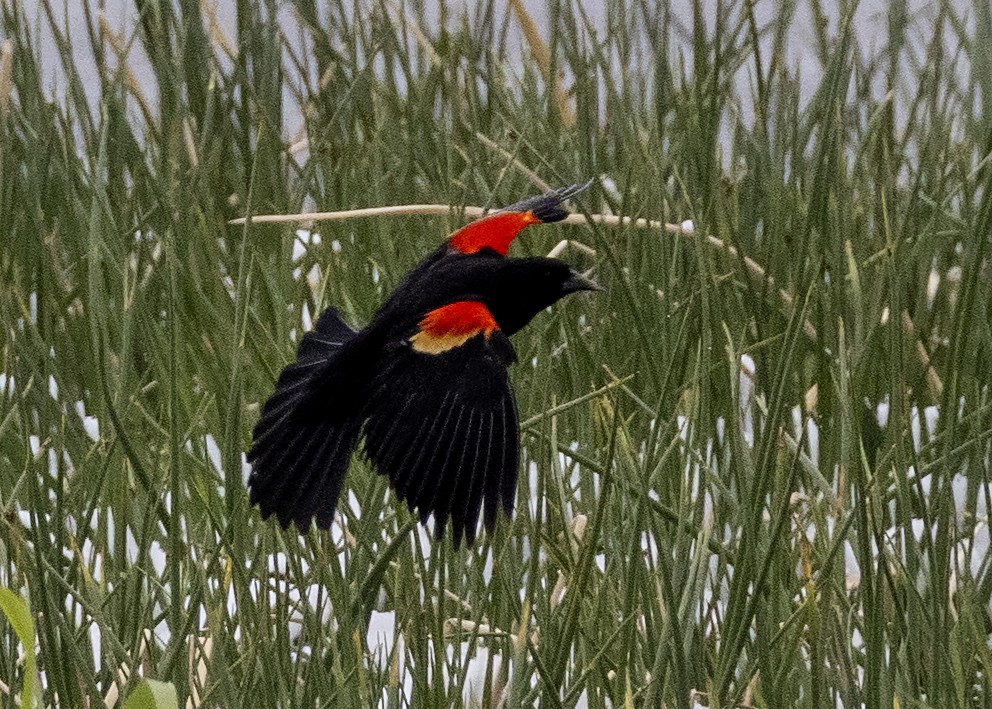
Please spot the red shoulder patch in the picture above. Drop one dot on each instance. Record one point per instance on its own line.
(452, 325)
(495, 231)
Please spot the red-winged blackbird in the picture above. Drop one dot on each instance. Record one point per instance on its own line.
(425, 383)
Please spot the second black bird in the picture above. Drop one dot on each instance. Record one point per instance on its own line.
(425, 383)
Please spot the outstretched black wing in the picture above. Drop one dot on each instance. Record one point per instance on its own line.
(301, 448)
(442, 425)
(497, 230)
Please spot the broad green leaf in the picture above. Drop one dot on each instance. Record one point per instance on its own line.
(18, 614)
(152, 694)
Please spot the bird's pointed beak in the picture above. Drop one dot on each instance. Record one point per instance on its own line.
(577, 282)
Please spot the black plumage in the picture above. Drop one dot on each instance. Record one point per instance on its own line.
(425, 384)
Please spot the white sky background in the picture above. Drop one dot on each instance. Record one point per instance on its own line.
(870, 27)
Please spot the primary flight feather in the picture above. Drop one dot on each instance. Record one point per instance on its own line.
(425, 384)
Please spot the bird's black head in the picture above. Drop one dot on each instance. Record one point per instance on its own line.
(524, 287)
(513, 289)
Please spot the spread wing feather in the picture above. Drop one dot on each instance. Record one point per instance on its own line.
(299, 461)
(445, 432)
(548, 207)
(498, 229)
(471, 487)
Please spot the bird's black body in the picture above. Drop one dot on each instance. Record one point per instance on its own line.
(425, 384)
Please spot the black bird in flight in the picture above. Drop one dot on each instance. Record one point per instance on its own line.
(425, 383)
